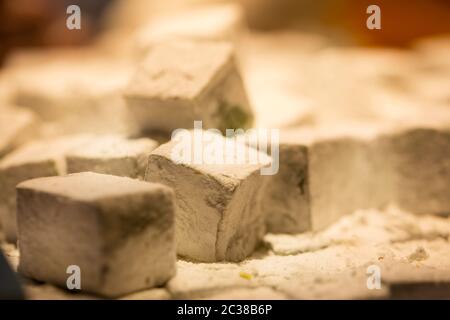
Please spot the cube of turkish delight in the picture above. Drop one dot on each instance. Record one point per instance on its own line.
(323, 175)
(217, 183)
(117, 232)
(183, 81)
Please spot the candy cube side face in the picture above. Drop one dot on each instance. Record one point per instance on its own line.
(243, 223)
(225, 104)
(138, 234)
(56, 233)
(286, 197)
(157, 114)
(338, 175)
(199, 200)
(418, 163)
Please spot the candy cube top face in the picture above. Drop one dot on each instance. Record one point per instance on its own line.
(113, 147)
(114, 155)
(89, 187)
(119, 231)
(46, 150)
(224, 159)
(179, 70)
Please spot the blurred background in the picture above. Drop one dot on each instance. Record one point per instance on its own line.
(315, 60)
(38, 22)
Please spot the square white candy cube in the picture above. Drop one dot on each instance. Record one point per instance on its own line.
(118, 231)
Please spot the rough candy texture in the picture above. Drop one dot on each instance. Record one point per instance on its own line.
(195, 81)
(17, 126)
(119, 231)
(113, 155)
(36, 159)
(218, 213)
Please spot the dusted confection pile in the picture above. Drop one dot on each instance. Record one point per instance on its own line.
(185, 156)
